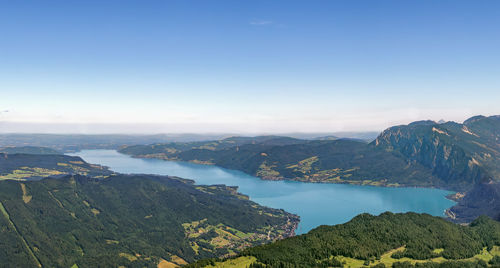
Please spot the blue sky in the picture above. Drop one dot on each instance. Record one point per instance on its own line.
(245, 66)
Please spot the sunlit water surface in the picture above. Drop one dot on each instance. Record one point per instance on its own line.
(316, 203)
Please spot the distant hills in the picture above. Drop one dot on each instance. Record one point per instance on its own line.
(128, 220)
(76, 142)
(171, 150)
(388, 240)
(28, 150)
(94, 217)
(461, 157)
(276, 158)
(427, 154)
(40, 163)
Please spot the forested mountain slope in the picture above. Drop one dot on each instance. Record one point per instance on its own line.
(461, 155)
(483, 199)
(389, 239)
(128, 220)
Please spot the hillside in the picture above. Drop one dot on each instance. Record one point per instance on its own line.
(128, 220)
(425, 153)
(170, 151)
(37, 166)
(336, 161)
(381, 241)
(483, 199)
(461, 155)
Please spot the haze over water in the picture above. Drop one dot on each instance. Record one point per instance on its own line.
(316, 203)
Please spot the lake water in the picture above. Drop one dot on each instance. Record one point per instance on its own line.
(316, 203)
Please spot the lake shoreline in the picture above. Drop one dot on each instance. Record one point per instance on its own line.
(345, 200)
(359, 183)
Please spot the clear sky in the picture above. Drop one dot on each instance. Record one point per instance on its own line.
(245, 66)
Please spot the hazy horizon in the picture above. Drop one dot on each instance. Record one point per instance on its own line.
(245, 67)
(158, 129)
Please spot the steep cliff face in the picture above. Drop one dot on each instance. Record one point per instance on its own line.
(461, 155)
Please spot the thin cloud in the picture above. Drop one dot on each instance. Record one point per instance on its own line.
(261, 22)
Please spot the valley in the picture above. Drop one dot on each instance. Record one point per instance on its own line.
(422, 154)
(446, 155)
(226, 226)
(307, 200)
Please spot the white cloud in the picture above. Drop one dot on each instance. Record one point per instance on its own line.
(261, 22)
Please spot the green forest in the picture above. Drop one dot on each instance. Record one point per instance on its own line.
(397, 240)
(129, 220)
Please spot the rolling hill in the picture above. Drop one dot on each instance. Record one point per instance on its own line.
(36, 166)
(169, 151)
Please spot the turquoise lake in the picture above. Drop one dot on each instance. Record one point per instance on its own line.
(316, 203)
